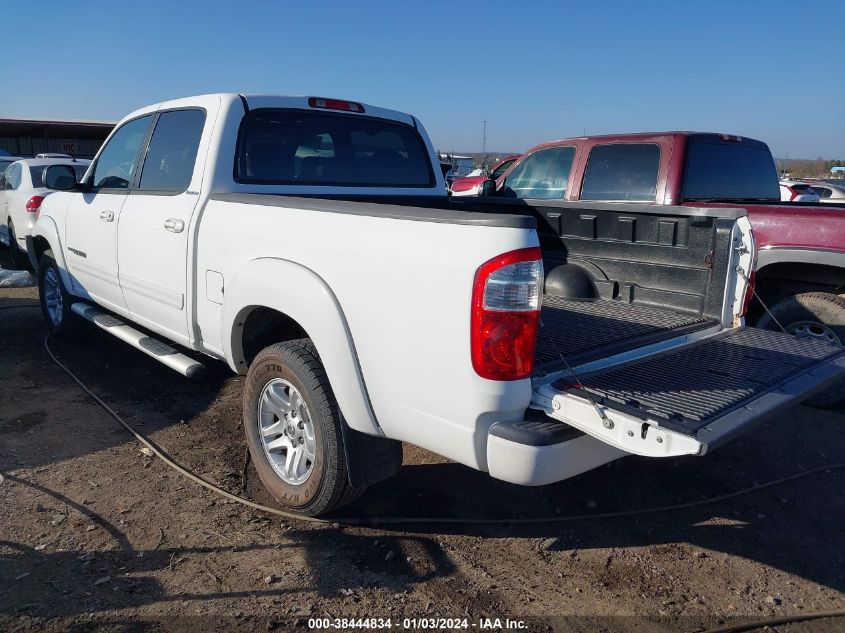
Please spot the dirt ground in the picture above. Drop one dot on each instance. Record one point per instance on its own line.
(95, 535)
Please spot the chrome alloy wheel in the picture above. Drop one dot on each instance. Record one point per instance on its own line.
(814, 331)
(286, 431)
(53, 296)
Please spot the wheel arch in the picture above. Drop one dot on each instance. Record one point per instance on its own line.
(817, 266)
(44, 237)
(281, 300)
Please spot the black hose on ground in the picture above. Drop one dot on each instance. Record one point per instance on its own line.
(777, 621)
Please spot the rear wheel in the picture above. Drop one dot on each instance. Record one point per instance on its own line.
(55, 299)
(816, 316)
(293, 429)
(18, 257)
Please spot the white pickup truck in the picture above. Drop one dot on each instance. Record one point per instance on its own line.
(309, 243)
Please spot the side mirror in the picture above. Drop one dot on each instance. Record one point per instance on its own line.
(488, 188)
(60, 178)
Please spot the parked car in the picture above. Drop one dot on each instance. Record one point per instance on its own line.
(472, 185)
(367, 308)
(460, 166)
(22, 191)
(800, 270)
(795, 191)
(828, 193)
(49, 155)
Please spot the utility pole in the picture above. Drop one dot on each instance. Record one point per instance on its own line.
(484, 139)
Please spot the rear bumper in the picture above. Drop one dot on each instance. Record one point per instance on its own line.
(540, 453)
(473, 191)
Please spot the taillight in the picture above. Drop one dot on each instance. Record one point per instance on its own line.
(335, 104)
(506, 301)
(33, 205)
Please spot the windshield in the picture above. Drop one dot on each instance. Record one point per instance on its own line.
(730, 171)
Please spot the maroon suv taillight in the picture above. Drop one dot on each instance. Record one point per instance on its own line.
(506, 301)
(33, 205)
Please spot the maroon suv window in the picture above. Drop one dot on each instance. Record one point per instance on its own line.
(622, 172)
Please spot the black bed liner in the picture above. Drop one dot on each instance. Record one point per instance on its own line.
(690, 388)
(586, 330)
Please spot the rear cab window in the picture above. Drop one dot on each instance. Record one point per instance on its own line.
(738, 170)
(296, 147)
(623, 172)
(541, 175)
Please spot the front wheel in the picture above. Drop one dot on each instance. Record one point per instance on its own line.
(816, 316)
(55, 299)
(293, 429)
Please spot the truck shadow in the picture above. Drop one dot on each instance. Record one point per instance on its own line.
(795, 527)
(38, 397)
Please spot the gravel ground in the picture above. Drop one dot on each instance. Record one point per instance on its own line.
(97, 535)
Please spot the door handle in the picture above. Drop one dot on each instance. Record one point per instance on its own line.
(107, 216)
(174, 226)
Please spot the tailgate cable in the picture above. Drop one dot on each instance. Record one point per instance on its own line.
(606, 422)
(762, 303)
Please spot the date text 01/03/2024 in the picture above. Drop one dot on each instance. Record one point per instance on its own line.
(488, 624)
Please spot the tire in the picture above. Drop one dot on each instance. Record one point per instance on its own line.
(311, 485)
(814, 315)
(56, 300)
(18, 257)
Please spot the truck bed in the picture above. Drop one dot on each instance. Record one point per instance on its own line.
(582, 331)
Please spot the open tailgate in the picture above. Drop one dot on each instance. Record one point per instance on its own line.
(687, 400)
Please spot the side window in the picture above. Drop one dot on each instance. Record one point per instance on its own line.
(169, 164)
(115, 167)
(13, 177)
(544, 174)
(623, 171)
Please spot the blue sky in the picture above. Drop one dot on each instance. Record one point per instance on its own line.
(535, 71)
